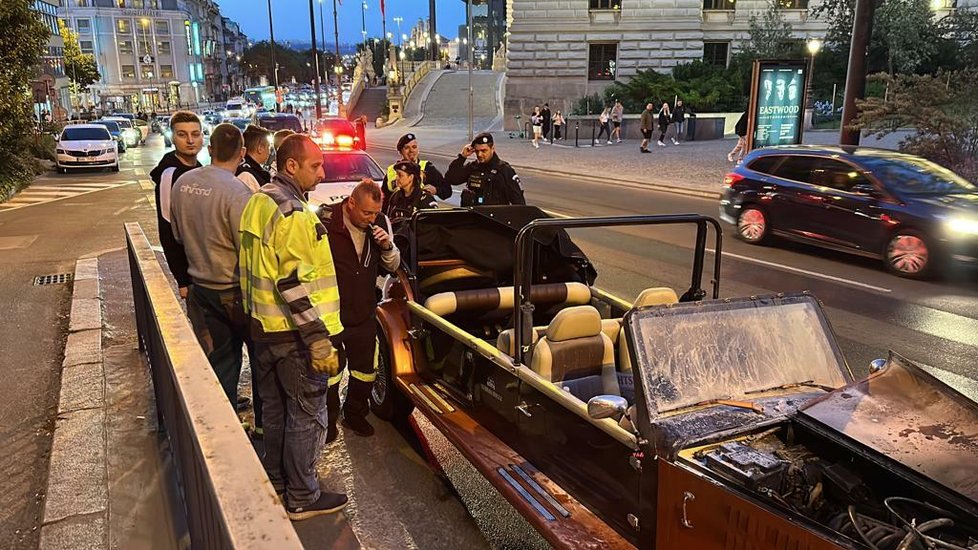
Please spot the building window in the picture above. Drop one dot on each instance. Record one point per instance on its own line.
(719, 5)
(84, 26)
(147, 72)
(125, 47)
(716, 53)
(123, 26)
(605, 4)
(129, 72)
(87, 46)
(602, 61)
(162, 28)
(163, 47)
(166, 71)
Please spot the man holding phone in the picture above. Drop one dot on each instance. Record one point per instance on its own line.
(360, 238)
(489, 180)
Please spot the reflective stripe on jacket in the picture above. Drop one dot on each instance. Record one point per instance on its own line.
(288, 278)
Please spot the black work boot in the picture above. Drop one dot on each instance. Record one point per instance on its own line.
(359, 425)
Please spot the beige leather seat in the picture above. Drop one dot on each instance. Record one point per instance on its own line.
(575, 355)
(490, 299)
(658, 296)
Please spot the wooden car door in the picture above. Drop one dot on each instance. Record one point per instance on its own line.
(601, 472)
(696, 512)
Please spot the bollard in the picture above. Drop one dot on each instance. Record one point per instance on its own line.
(526, 130)
(577, 131)
(592, 133)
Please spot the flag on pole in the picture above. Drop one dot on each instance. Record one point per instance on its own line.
(382, 9)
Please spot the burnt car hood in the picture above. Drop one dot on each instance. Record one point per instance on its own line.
(907, 415)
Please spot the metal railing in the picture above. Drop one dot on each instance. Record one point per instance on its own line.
(228, 499)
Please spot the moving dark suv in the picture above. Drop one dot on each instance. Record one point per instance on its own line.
(914, 214)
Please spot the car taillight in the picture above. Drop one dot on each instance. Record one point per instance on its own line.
(732, 179)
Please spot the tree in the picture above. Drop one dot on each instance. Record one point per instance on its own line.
(770, 35)
(80, 68)
(291, 63)
(940, 107)
(22, 44)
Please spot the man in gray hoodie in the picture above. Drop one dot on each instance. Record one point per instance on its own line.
(206, 206)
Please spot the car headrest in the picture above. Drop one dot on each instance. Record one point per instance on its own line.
(658, 296)
(502, 298)
(574, 322)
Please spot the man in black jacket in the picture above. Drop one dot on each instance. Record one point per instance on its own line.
(188, 140)
(251, 171)
(488, 180)
(361, 244)
(431, 179)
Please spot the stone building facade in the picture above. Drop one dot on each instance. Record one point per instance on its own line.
(561, 50)
(155, 54)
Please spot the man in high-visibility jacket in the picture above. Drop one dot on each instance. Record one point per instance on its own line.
(289, 289)
(431, 179)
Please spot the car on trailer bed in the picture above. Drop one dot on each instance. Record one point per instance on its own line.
(670, 421)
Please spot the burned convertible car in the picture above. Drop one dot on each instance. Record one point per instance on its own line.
(671, 422)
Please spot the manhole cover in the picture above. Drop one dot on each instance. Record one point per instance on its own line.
(58, 279)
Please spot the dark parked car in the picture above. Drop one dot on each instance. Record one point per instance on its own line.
(668, 421)
(914, 214)
(279, 121)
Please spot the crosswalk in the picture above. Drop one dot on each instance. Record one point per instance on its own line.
(45, 193)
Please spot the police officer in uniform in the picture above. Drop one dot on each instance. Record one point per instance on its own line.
(488, 180)
(431, 179)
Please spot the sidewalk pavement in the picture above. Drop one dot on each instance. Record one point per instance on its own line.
(693, 168)
(111, 482)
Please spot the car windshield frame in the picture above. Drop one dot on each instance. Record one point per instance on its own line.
(363, 159)
(65, 136)
(689, 354)
(902, 175)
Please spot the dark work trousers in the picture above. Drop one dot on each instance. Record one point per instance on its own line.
(357, 347)
(557, 128)
(221, 326)
(295, 418)
(605, 130)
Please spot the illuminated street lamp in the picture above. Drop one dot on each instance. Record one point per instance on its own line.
(813, 45)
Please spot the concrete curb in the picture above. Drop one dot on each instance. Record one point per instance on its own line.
(647, 186)
(424, 99)
(77, 501)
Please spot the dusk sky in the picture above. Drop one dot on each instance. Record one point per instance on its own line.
(291, 17)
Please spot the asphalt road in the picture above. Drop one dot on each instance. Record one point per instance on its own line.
(933, 322)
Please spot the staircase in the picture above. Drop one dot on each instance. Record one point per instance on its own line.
(371, 103)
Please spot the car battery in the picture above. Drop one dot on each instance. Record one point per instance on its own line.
(754, 469)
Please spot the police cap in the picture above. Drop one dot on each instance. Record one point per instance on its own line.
(408, 167)
(405, 139)
(484, 138)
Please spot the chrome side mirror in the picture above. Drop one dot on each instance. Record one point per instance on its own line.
(606, 406)
(877, 365)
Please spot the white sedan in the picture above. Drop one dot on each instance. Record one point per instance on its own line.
(344, 168)
(86, 146)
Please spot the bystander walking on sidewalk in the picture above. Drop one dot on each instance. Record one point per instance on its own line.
(617, 112)
(679, 119)
(665, 117)
(536, 120)
(646, 124)
(547, 120)
(739, 150)
(603, 119)
(558, 126)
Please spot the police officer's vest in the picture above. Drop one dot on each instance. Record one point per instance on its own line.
(285, 258)
(392, 175)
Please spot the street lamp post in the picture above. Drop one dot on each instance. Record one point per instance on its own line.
(339, 64)
(315, 57)
(862, 30)
(813, 45)
(468, 21)
(271, 35)
(363, 22)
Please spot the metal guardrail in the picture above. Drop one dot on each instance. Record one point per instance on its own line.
(229, 501)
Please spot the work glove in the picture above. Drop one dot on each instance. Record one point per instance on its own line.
(325, 359)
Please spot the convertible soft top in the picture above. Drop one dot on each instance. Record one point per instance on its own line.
(485, 237)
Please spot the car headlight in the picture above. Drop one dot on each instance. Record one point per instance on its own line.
(963, 226)
(61, 151)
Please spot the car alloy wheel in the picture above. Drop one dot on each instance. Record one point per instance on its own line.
(908, 255)
(752, 225)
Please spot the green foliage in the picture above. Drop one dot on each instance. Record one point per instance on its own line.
(770, 34)
(941, 107)
(701, 86)
(588, 105)
(80, 68)
(22, 43)
(44, 147)
(257, 62)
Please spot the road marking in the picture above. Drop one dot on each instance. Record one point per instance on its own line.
(43, 194)
(804, 272)
(783, 267)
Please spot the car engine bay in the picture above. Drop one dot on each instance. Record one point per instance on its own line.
(845, 493)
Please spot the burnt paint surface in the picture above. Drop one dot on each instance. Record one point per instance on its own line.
(911, 417)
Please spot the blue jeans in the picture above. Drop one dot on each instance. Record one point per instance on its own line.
(295, 418)
(681, 131)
